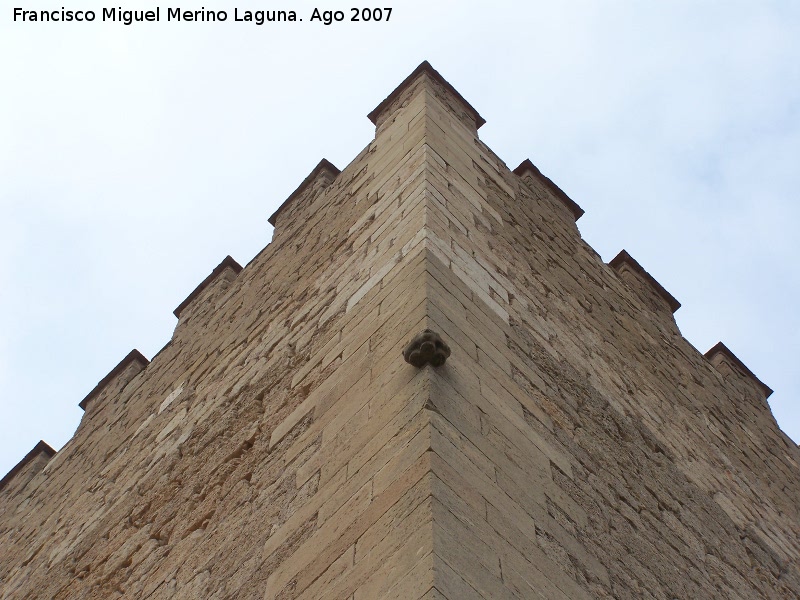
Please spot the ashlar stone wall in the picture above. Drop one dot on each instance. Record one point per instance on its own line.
(574, 445)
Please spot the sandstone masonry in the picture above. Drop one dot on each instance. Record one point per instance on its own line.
(573, 445)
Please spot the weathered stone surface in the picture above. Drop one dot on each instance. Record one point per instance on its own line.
(427, 347)
(116, 380)
(227, 271)
(574, 445)
(26, 470)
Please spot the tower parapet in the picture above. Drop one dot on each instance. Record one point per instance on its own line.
(26, 469)
(227, 270)
(429, 78)
(546, 428)
(634, 274)
(529, 173)
(729, 365)
(116, 380)
(320, 177)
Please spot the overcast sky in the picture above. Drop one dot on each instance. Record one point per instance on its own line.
(133, 159)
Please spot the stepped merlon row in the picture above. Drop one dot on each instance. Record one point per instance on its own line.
(323, 174)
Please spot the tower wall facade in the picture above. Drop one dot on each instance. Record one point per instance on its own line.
(573, 445)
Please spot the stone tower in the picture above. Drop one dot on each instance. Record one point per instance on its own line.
(555, 437)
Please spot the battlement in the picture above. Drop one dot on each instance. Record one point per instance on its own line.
(402, 93)
(527, 169)
(426, 385)
(623, 263)
(320, 177)
(227, 264)
(118, 377)
(36, 458)
(726, 361)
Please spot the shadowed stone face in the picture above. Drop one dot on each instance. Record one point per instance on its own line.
(426, 347)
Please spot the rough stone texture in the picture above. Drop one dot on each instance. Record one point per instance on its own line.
(14, 482)
(573, 446)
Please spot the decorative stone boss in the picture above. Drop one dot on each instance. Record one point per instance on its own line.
(427, 347)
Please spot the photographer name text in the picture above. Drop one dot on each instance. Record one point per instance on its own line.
(202, 15)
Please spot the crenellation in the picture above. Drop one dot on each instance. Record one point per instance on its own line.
(535, 179)
(401, 95)
(226, 271)
(631, 271)
(279, 446)
(320, 177)
(728, 364)
(116, 380)
(21, 474)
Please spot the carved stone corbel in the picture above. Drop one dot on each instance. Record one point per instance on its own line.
(427, 347)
